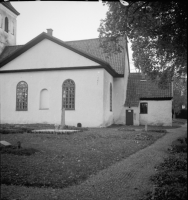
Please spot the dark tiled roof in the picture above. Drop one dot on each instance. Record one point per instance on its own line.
(91, 46)
(137, 89)
(10, 7)
(9, 50)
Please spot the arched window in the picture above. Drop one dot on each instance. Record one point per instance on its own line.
(6, 24)
(44, 99)
(21, 96)
(68, 94)
(110, 96)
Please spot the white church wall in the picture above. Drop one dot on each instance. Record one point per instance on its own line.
(136, 116)
(159, 113)
(118, 101)
(108, 115)
(88, 97)
(47, 54)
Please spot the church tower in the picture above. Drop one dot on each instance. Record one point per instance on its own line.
(8, 15)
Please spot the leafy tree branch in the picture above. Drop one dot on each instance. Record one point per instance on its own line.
(157, 31)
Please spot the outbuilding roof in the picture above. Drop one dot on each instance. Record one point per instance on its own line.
(88, 47)
(143, 89)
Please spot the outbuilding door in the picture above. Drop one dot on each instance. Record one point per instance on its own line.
(129, 117)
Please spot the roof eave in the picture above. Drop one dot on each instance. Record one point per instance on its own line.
(155, 98)
(10, 7)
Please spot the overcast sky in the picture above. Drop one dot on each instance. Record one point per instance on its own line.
(69, 20)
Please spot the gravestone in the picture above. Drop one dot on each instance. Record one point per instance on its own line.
(4, 143)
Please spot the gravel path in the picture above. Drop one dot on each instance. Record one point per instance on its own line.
(125, 180)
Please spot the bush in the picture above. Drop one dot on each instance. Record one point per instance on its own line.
(182, 114)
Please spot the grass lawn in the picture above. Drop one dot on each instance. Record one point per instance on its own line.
(63, 160)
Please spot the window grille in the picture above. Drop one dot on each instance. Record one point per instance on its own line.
(22, 96)
(69, 91)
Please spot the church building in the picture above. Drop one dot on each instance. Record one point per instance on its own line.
(47, 74)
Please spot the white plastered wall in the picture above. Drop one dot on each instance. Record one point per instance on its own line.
(88, 97)
(159, 113)
(119, 100)
(108, 115)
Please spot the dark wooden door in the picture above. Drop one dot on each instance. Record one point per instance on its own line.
(129, 117)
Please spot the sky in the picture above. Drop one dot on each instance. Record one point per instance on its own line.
(70, 20)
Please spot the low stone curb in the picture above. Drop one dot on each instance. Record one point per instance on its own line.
(47, 131)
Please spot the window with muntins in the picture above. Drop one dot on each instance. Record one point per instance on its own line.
(22, 96)
(143, 108)
(110, 96)
(68, 94)
(6, 24)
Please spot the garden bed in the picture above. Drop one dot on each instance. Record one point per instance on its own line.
(38, 128)
(170, 181)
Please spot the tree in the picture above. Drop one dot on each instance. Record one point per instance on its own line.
(157, 31)
(180, 94)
